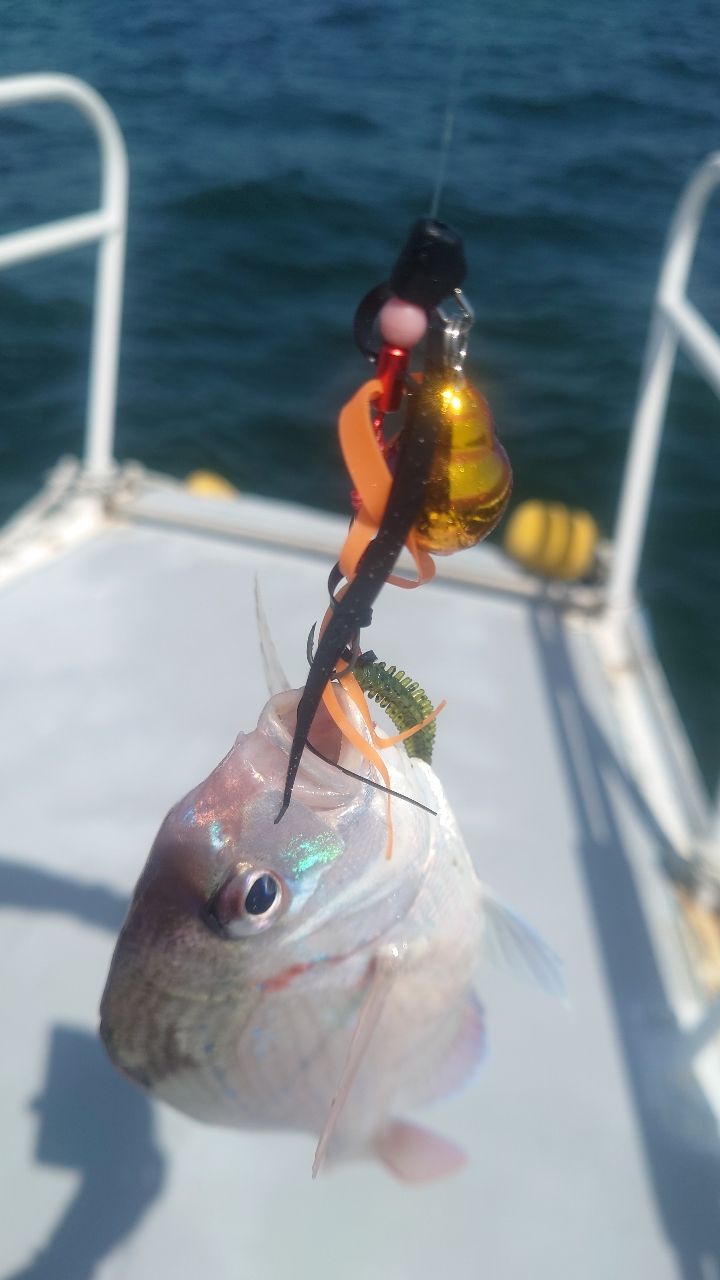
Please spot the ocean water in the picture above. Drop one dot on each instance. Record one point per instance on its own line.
(278, 154)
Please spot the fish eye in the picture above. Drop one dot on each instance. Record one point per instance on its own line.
(248, 902)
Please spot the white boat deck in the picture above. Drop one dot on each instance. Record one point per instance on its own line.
(129, 661)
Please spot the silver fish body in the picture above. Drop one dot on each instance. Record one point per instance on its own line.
(352, 997)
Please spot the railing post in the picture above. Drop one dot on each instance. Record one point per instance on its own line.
(105, 344)
(640, 467)
(653, 395)
(107, 226)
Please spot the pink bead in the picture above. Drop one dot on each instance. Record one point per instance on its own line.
(402, 324)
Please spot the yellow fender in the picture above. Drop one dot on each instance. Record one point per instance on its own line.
(551, 540)
(207, 484)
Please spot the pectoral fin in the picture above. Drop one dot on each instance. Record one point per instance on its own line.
(385, 966)
(514, 946)
(414, 1154)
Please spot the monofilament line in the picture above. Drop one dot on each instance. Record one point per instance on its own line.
(462, 40)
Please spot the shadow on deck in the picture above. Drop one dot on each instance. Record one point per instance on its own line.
(678, 1128)
(90, 1119)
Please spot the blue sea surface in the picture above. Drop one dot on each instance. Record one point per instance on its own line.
(278, 154)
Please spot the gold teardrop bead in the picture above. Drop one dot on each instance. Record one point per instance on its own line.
(470, 477)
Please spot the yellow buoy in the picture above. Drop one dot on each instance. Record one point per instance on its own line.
(551, 540)
(207, 484)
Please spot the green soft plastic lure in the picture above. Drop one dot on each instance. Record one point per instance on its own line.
(405, 702)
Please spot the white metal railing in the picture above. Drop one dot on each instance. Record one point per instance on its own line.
(675, 323)
(106, 226)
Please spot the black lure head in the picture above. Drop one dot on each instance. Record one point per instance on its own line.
(429, 268)
(431, 265)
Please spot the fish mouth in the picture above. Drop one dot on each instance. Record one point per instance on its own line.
(321, 773)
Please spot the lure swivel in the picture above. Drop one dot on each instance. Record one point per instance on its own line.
(430, 268)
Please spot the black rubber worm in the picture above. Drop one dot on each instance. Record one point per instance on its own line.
(354, 610)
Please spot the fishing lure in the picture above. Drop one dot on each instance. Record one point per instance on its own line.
(439, 485)
(402, 698)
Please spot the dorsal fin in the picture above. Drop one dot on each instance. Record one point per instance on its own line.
(275, 678)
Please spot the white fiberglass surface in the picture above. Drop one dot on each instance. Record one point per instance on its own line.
(128, 666)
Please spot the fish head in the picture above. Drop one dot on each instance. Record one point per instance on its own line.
(230, 902)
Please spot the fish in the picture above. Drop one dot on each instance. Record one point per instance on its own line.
(288, 976)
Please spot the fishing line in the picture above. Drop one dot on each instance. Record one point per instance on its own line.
(369, 782)
(462, 40)
(412, 477)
